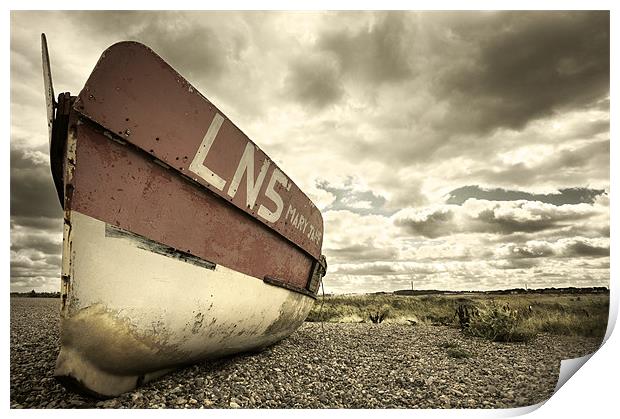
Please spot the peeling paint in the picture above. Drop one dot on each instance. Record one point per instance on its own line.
(198, 323)
(142, 242)
(67, 242)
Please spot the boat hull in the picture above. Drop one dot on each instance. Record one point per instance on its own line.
(129, 321)
(182, 240)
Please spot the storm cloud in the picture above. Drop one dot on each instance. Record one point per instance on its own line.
(36, 222)
(315, 82)
(498, 217)
(507, 82)
(563, 196)
(33, 195)
(457, 150)
(376, 54)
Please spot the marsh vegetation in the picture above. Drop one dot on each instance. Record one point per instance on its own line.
(503, 318)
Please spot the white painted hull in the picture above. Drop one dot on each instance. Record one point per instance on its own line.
(131, 314)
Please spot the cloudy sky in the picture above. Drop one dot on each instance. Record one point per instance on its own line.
(461, 151)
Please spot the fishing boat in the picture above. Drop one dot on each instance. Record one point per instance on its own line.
(183, 241)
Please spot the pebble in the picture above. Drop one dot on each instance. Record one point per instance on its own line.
(334, 365)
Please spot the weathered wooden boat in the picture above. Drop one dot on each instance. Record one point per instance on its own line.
(182, 240)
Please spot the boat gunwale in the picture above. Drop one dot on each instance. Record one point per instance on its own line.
(283, 284)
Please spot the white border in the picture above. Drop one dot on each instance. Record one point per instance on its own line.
(591, 393)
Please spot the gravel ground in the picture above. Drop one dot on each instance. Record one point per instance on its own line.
(319, 366)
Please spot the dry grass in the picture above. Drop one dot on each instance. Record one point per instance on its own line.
(499, 317)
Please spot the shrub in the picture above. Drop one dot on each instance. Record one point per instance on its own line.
(500, 324)
(377, 315)
(465, 312)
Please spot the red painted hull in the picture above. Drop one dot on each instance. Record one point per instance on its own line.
(141, 132)
(135, 95)
(125, 187)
